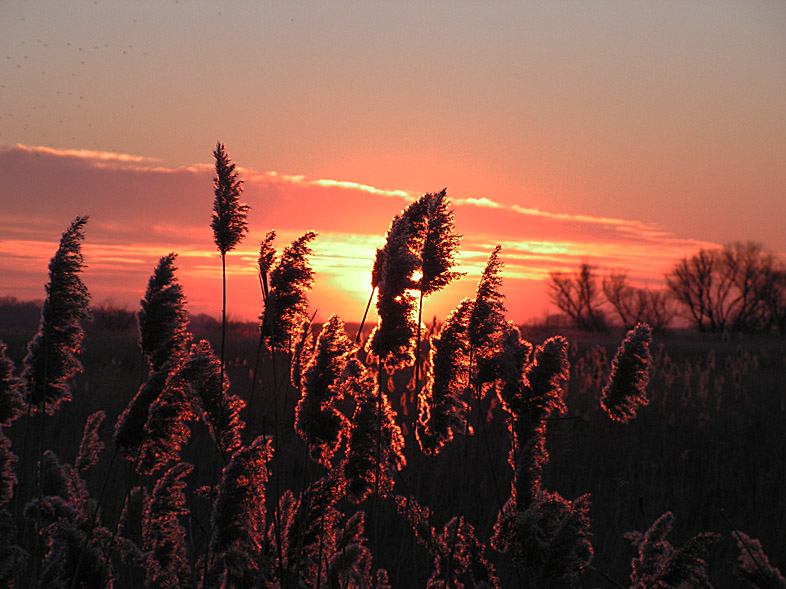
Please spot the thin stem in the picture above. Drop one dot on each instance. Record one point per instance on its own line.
(254, 373)
(365, 314)
(223, 311)
(36, 547)
(129, 485)
(277, 445)
(218, 450)
(417, 362)
(319, 560)
(378, 466)
(488, 449)
(605, 576)
(744, 544)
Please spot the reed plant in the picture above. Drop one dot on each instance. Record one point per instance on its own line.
(322, 493)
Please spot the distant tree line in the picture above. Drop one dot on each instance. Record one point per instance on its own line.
(739, 288)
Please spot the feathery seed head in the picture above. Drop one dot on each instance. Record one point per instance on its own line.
(393, 275)
(317, 419)
(753, 565)
(659, 564)
(220, 410)
(11, 401)
(239, 515)
(267, 255)
(626, 391)
(163, 535)
(286, 305)
(91, 445)
(162, 317)
(441, 409)
(549, 539)
(487, 323)
(52, 354)
(229, 215)
(550, 367)
(165, 429)
(363, 463)
(7, 470)
(440, 245)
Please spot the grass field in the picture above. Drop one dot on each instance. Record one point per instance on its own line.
(710, 442)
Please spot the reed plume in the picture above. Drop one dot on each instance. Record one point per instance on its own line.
(12, 556)
(91, 445)
(486, 324)
(163, 536)
(317, 418)
(239, 517)
(309, 532)
(376, 445)
(549, 540)
(539, 397)
(302, 352)
(267, 256)
(547, 534)
(70, 548)
(437, 259)
(229, 214)
(210, 392)
(440, 245)
(165, 430)
(131, 524)
(7, 469)
(753, 567)
(162, 317)
(626, 391)
(52, 357)
(75, 546)
(286, 304)
(11, 399)
(130, 426)
(460, 553)
(658, 564)
(350, 558)
(441, 410)
(456, 551)
(164, 339)
(394, 267)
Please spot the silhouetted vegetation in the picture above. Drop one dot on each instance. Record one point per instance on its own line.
(738, 288)
(522, 460)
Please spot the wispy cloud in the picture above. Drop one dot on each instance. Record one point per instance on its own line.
(88, 154)
(140, 211)
(363, 188)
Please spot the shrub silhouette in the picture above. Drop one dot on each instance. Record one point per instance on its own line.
(737, 288)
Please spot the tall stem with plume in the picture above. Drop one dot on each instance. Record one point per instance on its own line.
(229, 227)
(52, 357)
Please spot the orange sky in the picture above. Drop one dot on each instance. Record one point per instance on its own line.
(622, 133)
(127, 234)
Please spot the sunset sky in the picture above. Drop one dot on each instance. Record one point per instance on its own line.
(626, 134)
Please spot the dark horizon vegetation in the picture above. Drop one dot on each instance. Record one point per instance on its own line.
(473, 453)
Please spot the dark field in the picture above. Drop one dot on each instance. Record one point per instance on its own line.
(711, 441)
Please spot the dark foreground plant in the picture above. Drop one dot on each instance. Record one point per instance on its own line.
(626, 390)
(659, 564)
(11, 388)
(52, 357)
(266, 519)
(753, 566)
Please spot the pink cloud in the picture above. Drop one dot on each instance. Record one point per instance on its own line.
(140, 211)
